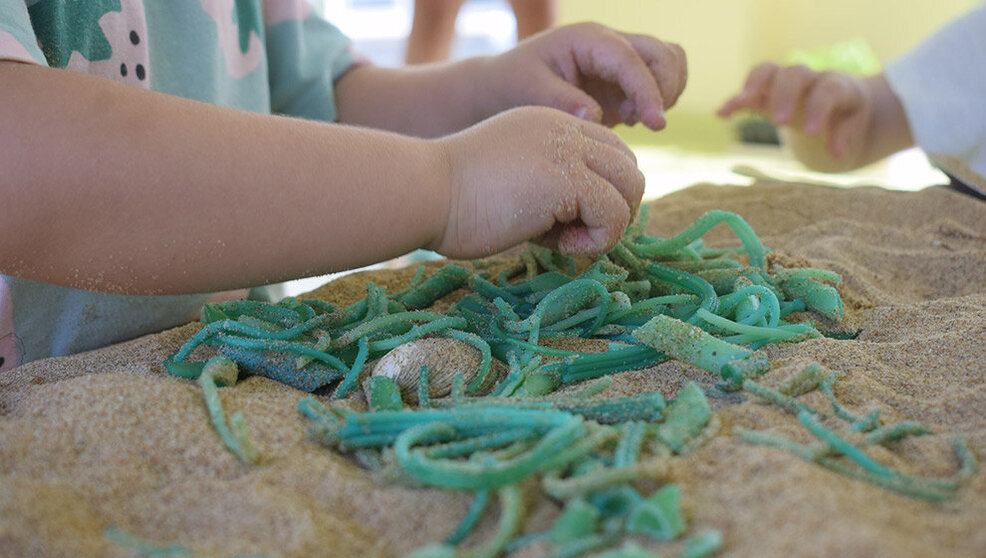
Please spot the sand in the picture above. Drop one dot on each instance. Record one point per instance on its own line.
(107, 438)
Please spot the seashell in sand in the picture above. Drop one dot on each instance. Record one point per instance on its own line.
(444, 358)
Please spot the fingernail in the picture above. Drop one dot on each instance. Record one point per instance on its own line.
(661, 121)
(581, 112)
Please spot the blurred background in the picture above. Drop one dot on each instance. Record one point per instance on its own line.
(723, 39)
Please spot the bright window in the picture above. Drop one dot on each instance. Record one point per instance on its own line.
(379, 28)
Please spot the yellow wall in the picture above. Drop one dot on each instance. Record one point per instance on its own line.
(725, 38)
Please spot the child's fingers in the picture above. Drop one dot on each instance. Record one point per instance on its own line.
(845, 127)
(613, 159)
(837, 106)
(667, 62)
(827, 97)
(619, 169)
(731, 105)
(592, 203)
(604, 135)
(602, 214)
(753, 96)
(608, 194)
(788, 90)
(758, 84)
(559, 94)
(837, 139)
(613, 59)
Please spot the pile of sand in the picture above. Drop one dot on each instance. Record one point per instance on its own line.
(107, 438)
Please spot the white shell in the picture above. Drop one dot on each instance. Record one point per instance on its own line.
(444, 358)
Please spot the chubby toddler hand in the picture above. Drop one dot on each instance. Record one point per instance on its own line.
(537, 173)
(831, 103)
(592, 72)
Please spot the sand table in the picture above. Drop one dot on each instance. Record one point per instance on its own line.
(109, 439)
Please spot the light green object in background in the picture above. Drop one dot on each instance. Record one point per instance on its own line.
(854, 56)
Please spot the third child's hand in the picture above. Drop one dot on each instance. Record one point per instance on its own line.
(835, 104)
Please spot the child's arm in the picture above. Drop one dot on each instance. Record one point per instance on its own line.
(832, 121)
(586, 69)
(112, 188)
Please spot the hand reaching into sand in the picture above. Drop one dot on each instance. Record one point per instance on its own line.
(538, 173)
(832, 121)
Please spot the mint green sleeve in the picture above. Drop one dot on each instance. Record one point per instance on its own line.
(17, 39)
(305, 58)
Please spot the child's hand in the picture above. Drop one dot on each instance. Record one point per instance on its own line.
(537, 173)
(592, 72)
(838, 105)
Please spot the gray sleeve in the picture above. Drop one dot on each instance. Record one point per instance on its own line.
(942, 86)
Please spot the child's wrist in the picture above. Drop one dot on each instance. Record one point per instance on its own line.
(442, 190)
(481, 82)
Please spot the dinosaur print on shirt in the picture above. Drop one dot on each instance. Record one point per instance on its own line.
(106, 38)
